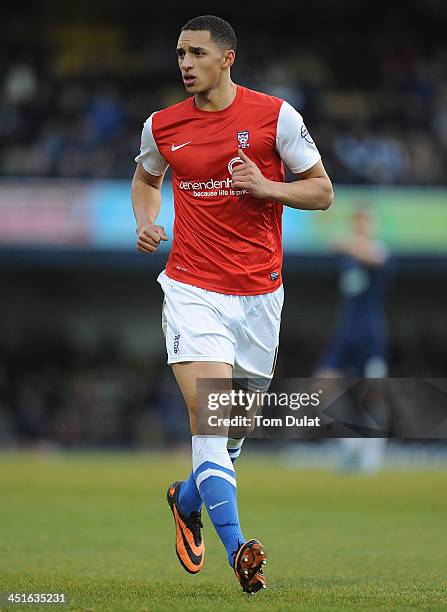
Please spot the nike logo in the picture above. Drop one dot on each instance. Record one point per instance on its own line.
(174, 148)
(219, 504)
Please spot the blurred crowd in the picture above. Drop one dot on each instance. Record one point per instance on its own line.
(53, 392)
(73, 104)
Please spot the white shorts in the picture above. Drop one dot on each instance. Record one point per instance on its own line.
(242, 330)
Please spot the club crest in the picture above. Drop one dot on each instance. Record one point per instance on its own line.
(242, 139)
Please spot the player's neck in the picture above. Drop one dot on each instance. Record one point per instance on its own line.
(216, 99)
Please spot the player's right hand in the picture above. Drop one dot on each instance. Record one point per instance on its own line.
(149, 237)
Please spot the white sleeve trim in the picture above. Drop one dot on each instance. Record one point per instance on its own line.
(150, 157)
(293, 142)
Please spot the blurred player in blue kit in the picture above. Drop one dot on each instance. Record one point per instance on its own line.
(359, 345)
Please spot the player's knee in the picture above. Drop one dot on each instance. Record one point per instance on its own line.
(205, 422)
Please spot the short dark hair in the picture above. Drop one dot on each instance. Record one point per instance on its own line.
(221, 32)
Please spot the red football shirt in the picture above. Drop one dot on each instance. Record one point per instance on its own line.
(224, 239)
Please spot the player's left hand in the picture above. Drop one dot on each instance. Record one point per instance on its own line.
(248, 176)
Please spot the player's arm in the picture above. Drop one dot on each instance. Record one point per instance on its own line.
(366, 251)
(146, 191)
(312, 190)
(146, 202)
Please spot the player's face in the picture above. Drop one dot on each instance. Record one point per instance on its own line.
(200, 61)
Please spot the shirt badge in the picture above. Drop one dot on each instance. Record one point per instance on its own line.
(242, 139)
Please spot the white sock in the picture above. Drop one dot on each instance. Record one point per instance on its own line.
(211, 449)
(234, 447)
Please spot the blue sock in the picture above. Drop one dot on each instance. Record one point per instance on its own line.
(189, 497)
(216, 482)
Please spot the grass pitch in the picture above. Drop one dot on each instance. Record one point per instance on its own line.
(97, 527)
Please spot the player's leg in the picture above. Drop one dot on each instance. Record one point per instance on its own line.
(212, 468)
(360, 454)
(257, 337)
(197, 326)
(234, 447)
(215, 478)
(336, 363)
(189, 496)
(238, 433)
(186, 374)
(373, 449)
(198, 345)
(256, 354)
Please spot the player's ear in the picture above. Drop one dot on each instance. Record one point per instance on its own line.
(228, 58)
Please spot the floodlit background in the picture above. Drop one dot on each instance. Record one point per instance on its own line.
(82, 358)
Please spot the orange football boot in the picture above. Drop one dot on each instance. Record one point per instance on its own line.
(189, 543)
(248, 563)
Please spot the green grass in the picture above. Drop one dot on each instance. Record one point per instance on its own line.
(97, 527)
